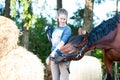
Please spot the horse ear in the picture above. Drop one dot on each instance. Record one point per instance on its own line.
(85, 37)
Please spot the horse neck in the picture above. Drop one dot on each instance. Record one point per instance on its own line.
(106, 41)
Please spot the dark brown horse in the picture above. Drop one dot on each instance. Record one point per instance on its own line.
(105, 36)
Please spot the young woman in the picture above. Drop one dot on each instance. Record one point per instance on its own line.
(60, 36)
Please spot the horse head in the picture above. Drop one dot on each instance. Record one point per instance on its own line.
(75, 44)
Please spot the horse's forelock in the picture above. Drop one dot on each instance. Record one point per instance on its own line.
(76, 39)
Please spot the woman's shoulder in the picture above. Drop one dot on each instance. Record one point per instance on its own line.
(63, 28)
(68, 27)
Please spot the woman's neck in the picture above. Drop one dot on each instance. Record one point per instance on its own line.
(62, 25)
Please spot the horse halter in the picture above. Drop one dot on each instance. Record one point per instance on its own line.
(85, 44)
(84, 41)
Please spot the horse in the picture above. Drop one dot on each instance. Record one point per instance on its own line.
(105, 36)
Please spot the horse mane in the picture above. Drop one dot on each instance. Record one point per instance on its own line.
(103, 29)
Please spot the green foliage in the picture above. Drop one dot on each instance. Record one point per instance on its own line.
(38, 42)
(74, 29)
(98, 53)
(25, 4)
(26, 14)
(13, 7)
(119, 67)
(78, 17)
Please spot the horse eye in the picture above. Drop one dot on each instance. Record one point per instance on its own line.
(76, 47)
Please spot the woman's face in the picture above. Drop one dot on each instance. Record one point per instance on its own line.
(62, 18)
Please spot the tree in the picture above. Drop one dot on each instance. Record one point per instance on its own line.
(7, 8)
(26, 27)
(88, 15)
(59, 4)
